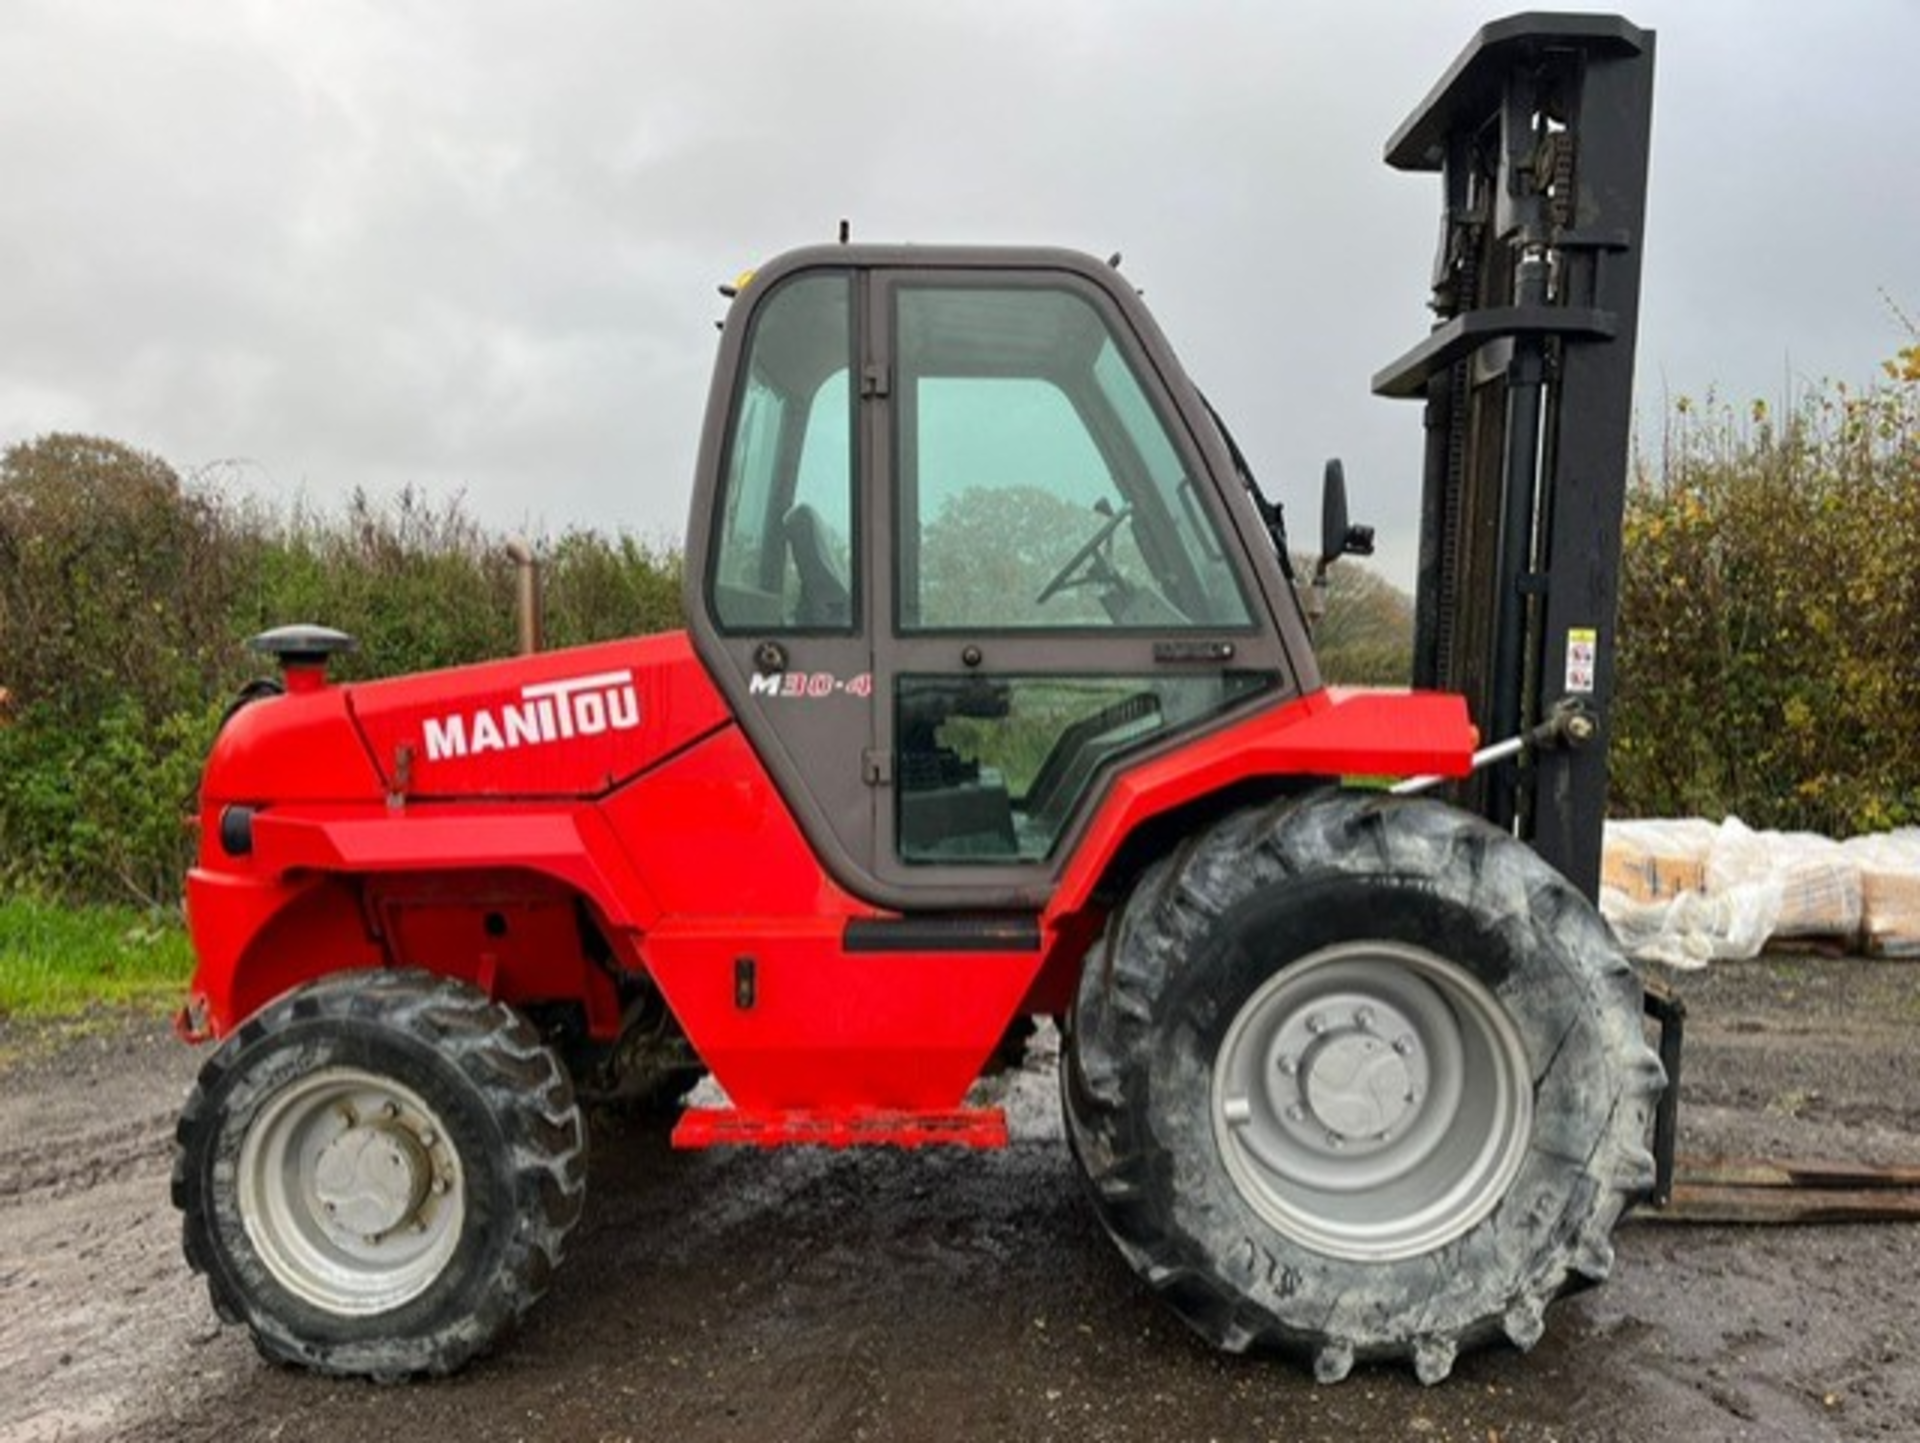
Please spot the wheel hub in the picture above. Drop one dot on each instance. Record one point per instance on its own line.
(351, 1191)
(1351, 1069)
(1357, 1087)
(370, 1180)
(1371, 1100)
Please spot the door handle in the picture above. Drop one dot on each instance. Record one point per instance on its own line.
(1202, 651)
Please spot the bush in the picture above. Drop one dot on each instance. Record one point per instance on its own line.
(599, 587)
(115, 584)
(418, 586)
(1770, 607)
(100, 810)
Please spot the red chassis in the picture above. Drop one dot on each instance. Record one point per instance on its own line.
(539, 826)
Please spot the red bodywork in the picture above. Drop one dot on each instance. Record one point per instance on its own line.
(537, 825)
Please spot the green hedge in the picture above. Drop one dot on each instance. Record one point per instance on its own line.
(1770, 613)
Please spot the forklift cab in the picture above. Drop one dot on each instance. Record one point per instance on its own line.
(965, 541)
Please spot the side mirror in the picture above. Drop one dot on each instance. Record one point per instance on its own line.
(1333, 513)
(1337, 537)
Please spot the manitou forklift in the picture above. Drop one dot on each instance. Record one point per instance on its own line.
(996, 700)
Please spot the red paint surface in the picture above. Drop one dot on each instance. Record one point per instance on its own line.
(687, 863)
(672, 703)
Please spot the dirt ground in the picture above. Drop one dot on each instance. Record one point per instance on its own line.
(898, 1296)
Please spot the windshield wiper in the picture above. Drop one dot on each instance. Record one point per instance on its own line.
(1272, 513)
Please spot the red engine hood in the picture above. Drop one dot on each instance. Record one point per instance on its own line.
(562, 723)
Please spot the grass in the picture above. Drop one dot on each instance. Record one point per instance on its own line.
(55, 961)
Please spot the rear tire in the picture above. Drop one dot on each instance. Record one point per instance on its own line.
(1360, 1077)
(378, 1172)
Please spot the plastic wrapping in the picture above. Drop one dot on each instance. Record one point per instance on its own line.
(1687, 892)
(1692, 929)
(1818, 884)
(1889, 864)
(1652, 861)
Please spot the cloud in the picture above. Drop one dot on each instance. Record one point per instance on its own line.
(473, 246)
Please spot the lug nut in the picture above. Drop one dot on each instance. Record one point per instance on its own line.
(1363, 1018)
(1289, 1065)
(1296, 1113)
(1316, 1024)
(1403, 1044)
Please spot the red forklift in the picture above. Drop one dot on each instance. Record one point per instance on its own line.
(996, 701)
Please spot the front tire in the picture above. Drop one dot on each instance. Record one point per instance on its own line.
(1360, 1077)
(377, 1174)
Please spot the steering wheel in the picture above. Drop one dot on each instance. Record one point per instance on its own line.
(1064, 577)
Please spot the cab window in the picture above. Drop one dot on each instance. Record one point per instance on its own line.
(783, 556)
(1038, 486)
(992, 768)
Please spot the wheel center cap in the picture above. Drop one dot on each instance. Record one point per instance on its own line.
(370, 1179)
(1357, 1085)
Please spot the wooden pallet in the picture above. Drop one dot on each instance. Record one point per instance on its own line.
(1775, 1191)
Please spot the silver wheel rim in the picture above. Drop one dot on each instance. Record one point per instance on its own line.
(351, 1191)
(1372, 1101)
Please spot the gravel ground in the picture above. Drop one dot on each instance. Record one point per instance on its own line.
(880, 1295)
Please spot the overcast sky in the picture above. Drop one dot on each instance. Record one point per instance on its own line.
(473, 246)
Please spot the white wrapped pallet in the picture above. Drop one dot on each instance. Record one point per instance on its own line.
(1691, 929)
(1818, 882)
(1687, 892)
(1654, 861)
(1889, 864)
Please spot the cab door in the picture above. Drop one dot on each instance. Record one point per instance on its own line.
(962, 559)
(1057, 592)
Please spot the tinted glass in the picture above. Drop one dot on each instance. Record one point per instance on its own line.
(991, 768)
(1038, 485)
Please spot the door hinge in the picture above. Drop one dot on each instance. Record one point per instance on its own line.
(875, 383)
(876, 768)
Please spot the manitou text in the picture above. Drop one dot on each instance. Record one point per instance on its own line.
(548, 711)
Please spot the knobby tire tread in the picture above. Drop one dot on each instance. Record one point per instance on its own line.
(524, 1091)
(1244, 1292)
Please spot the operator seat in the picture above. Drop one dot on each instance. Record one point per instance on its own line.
(824, 598)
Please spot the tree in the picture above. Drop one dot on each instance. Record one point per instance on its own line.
(990, 549)
(113, 581)
(1366, 637)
